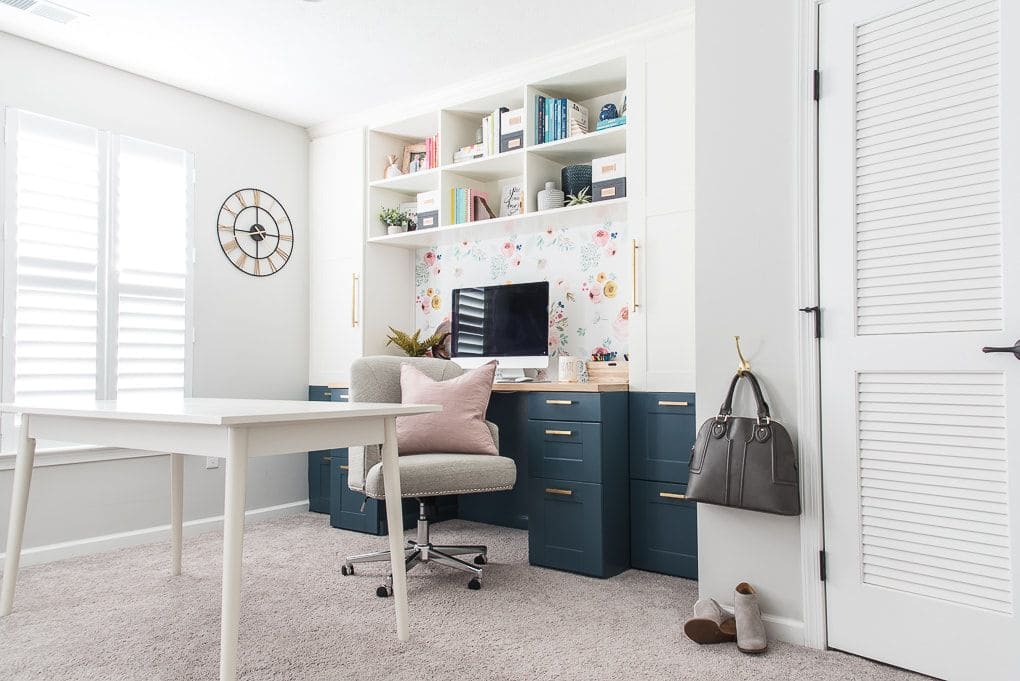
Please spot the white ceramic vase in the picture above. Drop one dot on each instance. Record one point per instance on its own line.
(550, 197)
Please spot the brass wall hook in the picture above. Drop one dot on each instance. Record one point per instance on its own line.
(743, 365)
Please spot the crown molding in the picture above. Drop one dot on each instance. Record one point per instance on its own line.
(604, 48)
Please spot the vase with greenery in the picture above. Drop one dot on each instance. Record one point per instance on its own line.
(396, 220)
(413, 346)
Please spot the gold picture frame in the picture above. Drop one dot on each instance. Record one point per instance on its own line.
(412, 153)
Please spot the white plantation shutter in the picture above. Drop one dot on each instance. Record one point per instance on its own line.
(151, 217)
(95, 264)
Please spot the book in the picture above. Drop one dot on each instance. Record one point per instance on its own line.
(611, 123)
(577, 118)
(539, 119)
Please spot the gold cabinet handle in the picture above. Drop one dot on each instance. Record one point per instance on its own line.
(667, 403)
(344, 467)
(566, 402)
(633, 273)
(355, 279)
(327, 459)
(559, 432)
(327, 394)
(671, 495)
(346, 398)
(562, 492)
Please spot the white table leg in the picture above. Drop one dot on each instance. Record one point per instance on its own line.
(19, 506)
(176, 511)
(233, 534)
(395, 523)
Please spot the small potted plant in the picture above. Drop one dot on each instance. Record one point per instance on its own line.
(396, 220)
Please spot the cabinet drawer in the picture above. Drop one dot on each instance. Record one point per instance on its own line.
(565, 526)
(662, 432)
(345, 505)
(318, 480)
(565, 406)
(566, 450)
(663, 529)
(322, 393)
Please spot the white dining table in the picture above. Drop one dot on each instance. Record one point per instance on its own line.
(231, 429)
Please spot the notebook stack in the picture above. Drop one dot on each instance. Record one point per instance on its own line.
(557, 118)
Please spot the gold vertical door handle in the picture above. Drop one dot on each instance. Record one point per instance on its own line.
(633, 274)
(344, 467)
(354, 298)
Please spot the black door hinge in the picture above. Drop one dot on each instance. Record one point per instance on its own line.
(821, 565)
(816, 85)
(817, 312)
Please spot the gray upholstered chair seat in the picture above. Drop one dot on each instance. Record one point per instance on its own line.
(427, 475)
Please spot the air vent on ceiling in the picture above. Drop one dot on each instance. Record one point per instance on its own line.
(46, 10)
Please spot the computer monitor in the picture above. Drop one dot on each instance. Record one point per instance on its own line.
(507, 323)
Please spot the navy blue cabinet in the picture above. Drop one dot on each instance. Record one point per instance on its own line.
(663, 525)
(319, 462)
(578, 489)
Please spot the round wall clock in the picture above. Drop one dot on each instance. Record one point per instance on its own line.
(255, 232)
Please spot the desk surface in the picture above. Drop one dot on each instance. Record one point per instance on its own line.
(536, 387)
(210, 411)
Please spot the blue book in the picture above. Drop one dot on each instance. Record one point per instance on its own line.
(563, 118)
(547, 128)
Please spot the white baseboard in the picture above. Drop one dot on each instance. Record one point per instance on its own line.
(80, 547)
(779, 628)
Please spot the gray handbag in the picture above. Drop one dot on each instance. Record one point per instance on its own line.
(745, 462)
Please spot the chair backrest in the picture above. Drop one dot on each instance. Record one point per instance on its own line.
(377, 378)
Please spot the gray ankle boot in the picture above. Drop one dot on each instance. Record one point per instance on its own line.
(750, 628)
(710, 624)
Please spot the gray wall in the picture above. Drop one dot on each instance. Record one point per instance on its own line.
(251, 335)
(746, 62)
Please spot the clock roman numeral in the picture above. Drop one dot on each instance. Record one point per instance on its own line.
(258, 269)
(269, 260)
(230, 246)
(258, 196)
(240, 197)
(226, 228)
(227, 208)
(286, 237)
(242, 261)
(282, 254)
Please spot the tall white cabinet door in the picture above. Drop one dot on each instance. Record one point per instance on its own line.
(919, 145)
(661, 219)
(336, 209)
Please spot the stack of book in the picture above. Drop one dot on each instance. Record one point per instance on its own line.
(469, 153)
(557, 118)
(490, 131)
(468, 205)
(432, 151)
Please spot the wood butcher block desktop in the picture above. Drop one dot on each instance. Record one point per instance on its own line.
(557, 387)
(235, 430)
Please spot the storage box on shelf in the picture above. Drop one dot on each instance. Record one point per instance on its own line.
(664, 525)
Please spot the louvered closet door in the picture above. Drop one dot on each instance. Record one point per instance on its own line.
(919, 145)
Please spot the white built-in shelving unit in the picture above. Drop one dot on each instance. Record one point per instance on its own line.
(532, 166)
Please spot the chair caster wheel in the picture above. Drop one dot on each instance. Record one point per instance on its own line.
(480, 559)
(384, 592)
(475, 584)
(346, 570)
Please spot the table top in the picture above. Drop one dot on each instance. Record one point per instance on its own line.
(558, 387)
(214, 411)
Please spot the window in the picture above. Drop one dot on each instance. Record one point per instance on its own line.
(96, 246)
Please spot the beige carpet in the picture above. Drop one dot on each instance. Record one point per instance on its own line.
(118, 616)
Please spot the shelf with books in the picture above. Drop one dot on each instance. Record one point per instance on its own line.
(528, 223)
(583, 148)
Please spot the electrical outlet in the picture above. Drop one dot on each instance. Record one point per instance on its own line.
(212, 462)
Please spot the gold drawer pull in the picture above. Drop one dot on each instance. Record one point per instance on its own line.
(559, 432)
(567, 402)
(344, 467)
(671, 495)
(667, 403)
(327, 459)
(344, 398)
(327, 394)
(564, 492)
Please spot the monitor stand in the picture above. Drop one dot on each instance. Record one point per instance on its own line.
(512, 376)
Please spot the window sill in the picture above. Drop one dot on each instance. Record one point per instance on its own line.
(64, 456)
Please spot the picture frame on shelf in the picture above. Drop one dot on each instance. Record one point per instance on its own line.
(414, 159)
(511, 199)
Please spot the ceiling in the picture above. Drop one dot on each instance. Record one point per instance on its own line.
(309, 62)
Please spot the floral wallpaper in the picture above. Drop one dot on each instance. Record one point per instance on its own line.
(586, 267)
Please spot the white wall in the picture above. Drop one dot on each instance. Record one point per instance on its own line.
(746, 62)
(251, 335)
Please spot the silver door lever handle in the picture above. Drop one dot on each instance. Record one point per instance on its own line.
(1015, 349)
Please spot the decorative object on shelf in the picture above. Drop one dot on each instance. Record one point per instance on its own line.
(428, 209)
(392, 169)
(609, 177)
(609, 371)
(510, 199)
(608, 111)
(575, 178)
(396, 220)
(580, 198)
(611, 123)
(511, 130)
(410, 209)
(255, 232)
(603, 355)
(571, 369)
(411, 343)
(550, 197)
(414, 159)
(482, 211)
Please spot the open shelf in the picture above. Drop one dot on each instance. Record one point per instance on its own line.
(569, 216)
(422, 181)
(583, 148)
(507, 164)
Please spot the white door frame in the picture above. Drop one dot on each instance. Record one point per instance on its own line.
(812, 537)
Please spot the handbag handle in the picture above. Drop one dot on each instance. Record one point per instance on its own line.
(727, 406)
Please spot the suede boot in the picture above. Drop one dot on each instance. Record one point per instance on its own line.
(710, 624)
(750, 627)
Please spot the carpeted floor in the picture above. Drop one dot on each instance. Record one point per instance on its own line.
(119, 616)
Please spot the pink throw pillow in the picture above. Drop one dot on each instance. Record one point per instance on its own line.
(460, 427)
